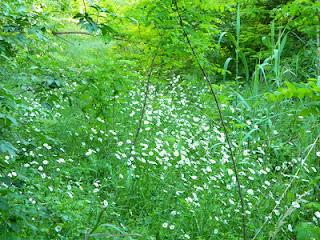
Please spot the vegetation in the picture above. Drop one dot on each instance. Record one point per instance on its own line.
(159, 119)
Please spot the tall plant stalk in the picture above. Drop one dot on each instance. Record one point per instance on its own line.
(145, 99)
(221, 117)
(238, 27)
(318, 43)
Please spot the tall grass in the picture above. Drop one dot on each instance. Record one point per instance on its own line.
(240, 56)
(238, 28)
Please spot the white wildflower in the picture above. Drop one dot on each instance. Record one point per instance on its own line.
(60, 160)
(186, 236)
(47, 146)
(89, 152)
(165, 225)
(250, 192)
(58, 229)
(173, 213)
(295, 204)
(196, 119)
(246, 153)
(105, 203)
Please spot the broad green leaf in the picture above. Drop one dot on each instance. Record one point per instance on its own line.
(4, 206)
(6, 147)
(308, 231)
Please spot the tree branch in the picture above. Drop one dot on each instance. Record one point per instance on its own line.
(72, 33)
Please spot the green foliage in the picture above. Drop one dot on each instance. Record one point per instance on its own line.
(300, 15)
(8, 104)
(6, 147)
(304, 92)
(98, 141)
(308, 231)
(20, 27)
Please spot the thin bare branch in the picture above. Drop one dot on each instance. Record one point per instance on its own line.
(224, 127)
(72, 33)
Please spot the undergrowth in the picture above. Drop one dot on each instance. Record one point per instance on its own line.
(98, 144)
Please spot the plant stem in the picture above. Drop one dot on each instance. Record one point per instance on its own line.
(85, 6)
(215, 98)
(318, 43)
(87, 235)
(311, 147)
(238, 24)
(144, 106)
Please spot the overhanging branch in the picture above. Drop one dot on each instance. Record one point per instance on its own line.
(72, 33)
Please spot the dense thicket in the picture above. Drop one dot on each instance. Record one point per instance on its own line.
(159, 119)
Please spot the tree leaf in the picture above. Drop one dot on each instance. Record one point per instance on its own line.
(308, 231)
(6, 147)
(4, 206)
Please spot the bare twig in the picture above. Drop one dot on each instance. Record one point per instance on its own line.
(85, 6)
(72, 33)
(146, 94)
(214, 95)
